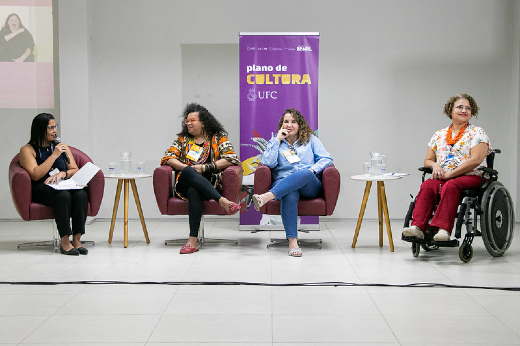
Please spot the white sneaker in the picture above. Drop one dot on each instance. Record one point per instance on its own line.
(442, 235)
(413, 231)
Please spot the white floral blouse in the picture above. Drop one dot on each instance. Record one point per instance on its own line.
(452, 156)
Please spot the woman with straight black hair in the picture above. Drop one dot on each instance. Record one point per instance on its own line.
(44, 162)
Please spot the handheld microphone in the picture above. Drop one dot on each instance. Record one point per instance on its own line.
(57, 141)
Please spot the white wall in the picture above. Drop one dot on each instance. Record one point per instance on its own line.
(386, 69)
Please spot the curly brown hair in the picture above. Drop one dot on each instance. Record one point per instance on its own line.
(304, 131)
(448, 107)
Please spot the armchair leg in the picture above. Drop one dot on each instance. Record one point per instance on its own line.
(54, 243)
(46, 243)
(314, 243)
(201, 239)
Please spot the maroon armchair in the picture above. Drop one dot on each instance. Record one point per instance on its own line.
(323, 205)
(168, 204)
(21, 191)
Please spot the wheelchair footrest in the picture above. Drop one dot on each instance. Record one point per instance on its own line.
(413, 240)
(430, 242)
(449, 243)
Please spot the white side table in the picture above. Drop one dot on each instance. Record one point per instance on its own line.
(126, 179)
(382, 207)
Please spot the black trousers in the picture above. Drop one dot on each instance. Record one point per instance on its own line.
(66, 204)
(196, 189)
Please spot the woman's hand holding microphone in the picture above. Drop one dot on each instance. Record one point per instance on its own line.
(59, 149)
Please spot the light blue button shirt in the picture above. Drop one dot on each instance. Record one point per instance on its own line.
(312, 155)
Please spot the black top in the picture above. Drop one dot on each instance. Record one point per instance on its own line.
(16, 47)
(42, 154)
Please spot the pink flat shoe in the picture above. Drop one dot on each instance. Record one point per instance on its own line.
(233, 208)
(187, 249)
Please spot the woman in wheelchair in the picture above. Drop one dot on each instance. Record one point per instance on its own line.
(200, 153)
(453, 155)
(296, 158)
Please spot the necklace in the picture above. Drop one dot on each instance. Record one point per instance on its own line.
(451, 140)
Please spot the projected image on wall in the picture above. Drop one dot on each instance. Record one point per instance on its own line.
(26, 54)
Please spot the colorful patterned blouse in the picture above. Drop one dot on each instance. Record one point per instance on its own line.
(452, 156)
(221, 148)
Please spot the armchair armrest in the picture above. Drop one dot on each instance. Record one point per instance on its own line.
(330, 182)
(232, 182)
(162, 187)
(96, 189)
(96, 186)
(21, 189)
(263, 178)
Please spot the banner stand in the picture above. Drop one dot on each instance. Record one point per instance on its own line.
(277, 71)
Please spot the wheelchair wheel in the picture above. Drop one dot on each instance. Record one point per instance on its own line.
(497, 220)
(409, 214)
(416, 249)
(427, 247)
(465, 252)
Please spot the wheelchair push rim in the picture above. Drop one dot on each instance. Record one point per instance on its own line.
(497, 220)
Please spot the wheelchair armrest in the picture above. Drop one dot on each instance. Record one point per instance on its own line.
(232, 182)
(488, 170)
(426, 170)
(162, 187)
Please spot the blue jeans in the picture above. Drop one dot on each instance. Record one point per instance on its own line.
(288, 191)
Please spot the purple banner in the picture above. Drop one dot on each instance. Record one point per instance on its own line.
(277, 71)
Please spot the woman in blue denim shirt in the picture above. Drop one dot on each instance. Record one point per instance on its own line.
(296, 158)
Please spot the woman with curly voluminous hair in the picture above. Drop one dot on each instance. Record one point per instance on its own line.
(304, 130)
(200, 153)
(296, 158)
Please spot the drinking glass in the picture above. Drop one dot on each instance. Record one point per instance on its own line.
(111, 168)
(140, 167)
(366, 168)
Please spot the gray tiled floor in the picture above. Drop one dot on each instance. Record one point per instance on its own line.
(192, 314)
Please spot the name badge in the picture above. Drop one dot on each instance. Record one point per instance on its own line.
(450, 157)
(291, 156)
(194, 153)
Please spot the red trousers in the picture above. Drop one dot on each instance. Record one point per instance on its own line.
(449, 192)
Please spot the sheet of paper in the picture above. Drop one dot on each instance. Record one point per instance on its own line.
(78, 180)
(396, 174)
(87, 172)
